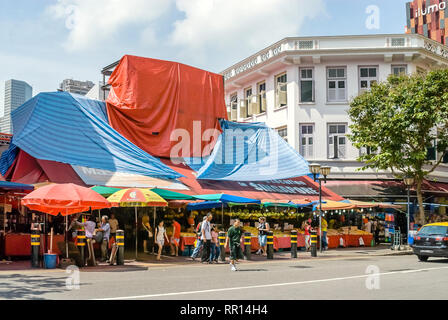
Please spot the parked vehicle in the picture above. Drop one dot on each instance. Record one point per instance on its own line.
(431, 241)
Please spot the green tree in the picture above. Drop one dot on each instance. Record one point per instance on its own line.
(398, 120)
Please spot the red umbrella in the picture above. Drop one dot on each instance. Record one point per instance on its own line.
(64, 199)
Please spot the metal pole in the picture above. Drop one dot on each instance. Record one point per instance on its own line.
(320, 215)
(409, 213)
(66, 235)
(222, 213)
(136, 232)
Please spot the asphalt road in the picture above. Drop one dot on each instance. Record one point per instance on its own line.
(393, 277)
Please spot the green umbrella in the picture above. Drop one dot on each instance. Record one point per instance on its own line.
(105, 191)
(171, 195)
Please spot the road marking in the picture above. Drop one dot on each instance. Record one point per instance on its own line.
(267, 285)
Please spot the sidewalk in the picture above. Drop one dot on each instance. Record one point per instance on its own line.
(146, 261)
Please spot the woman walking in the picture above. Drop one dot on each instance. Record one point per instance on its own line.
(160, 237)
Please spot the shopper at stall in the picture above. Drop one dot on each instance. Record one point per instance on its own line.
(175, 239)
(233, 240)
(113, 222)
(198, 247)
(368, 225)
(105, 229)
(160, 237)
(146, 233)
(215, 249)
(263, 229)
(307, 228)
(89, 226)
(206, 238)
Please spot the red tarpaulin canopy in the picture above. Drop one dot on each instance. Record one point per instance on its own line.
(27, 169)
(150, 98)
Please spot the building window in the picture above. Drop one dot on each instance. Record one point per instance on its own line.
(337, 84)
(337, 141)
(363, 151)
(306, 84)
(233, 114)
(261, 97)
(367, 77)
(281, 90)
(399, 70)
(246, 104)
(283, 132)
(307, 140)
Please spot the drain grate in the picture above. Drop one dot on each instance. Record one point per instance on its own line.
(301, 267)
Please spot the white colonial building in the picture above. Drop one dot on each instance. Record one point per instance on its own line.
(302, 87)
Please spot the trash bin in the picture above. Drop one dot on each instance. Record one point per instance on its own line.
(50, 261)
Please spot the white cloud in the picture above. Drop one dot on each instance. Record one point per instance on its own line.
(91, 23)
(240, 25)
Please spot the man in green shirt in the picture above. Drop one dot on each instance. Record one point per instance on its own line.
(234, 235)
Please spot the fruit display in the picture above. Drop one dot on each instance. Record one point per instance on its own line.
(254, 215)
(187, 234)
(171, 214)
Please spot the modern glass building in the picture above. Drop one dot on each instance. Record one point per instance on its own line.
(16, 93)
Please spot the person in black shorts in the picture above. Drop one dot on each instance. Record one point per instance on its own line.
(233, 239)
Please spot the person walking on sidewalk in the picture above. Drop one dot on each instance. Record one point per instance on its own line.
(198, 247)
(324, 234)
(263, 229)
(160, 237)
(233, 240)
(206, 238)
(215, 249)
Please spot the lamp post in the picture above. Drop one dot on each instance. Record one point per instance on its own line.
(316, 170)
(409, 182)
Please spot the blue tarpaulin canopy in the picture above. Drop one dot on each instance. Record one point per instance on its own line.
(227, 198)
(250, 152)
(5, 185)
(72, 129)
(205, 205)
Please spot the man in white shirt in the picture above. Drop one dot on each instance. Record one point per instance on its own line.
(206, 238)
(368, 226)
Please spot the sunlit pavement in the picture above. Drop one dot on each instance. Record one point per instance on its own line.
(359, 276)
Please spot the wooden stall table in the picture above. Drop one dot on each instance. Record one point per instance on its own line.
(19, 244)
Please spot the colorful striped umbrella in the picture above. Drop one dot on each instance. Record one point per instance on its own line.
(137, 198)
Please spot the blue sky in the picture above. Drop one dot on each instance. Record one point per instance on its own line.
(46, 41)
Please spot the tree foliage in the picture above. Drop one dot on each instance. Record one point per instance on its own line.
(398, 120)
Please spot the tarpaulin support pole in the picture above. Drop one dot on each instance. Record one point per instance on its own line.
(136, 234)
(222, 213)
(154, 226)
(270, 245)
(66, 234)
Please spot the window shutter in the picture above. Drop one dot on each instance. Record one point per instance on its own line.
(243, 113)
(331, 147)
(282, 94)
(263, 101)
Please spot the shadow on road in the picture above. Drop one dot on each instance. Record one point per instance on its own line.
(252, 270)
(19, 286)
